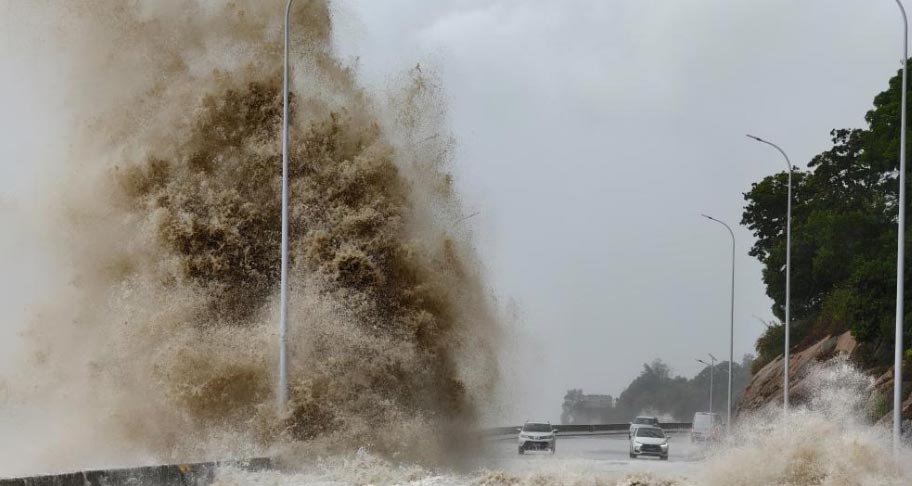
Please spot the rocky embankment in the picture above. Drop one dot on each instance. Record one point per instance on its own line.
(765, 387)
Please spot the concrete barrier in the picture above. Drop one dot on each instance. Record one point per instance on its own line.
(198, 474)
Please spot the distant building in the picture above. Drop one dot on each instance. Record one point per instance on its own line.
(580, 408)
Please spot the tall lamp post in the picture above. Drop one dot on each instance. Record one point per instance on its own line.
(712, 367)
(731, 337)
(788, 271)
(282, 389)
(900, 246)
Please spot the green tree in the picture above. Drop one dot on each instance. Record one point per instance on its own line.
(843, 237)
(656, 390)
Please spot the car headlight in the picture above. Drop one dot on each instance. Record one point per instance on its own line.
(664, 445)
(524, 436)
(637, 443)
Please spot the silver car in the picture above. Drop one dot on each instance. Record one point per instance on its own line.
(649, 441)
(537, 436)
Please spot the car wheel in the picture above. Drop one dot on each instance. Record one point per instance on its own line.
(553, 449)
(633, 456)
(664, 458)
(521, 450)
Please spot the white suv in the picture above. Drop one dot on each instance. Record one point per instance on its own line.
(539, 436)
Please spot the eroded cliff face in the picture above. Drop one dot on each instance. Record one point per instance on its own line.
(765, 387)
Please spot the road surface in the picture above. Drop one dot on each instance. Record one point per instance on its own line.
(595, 455)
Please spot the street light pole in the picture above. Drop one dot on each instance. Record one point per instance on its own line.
(282, 389)
(900, 246)
(788, 272)
(731, 336)
(712, 373)
(712, 367)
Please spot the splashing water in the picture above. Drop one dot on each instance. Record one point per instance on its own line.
(828, 442)
(166, 349)
(163, 347)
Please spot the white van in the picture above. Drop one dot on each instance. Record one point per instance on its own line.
(706, 426)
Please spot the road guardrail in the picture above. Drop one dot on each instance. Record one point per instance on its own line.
(588, 429)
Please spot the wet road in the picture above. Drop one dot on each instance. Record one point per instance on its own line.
(603, 454)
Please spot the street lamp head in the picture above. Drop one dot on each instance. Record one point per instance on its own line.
(704, 362)
(476, 213)
(755, 138)
(726, 227)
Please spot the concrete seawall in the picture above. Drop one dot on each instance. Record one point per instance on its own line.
(199, 474)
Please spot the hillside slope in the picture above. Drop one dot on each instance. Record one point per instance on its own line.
(765, 387)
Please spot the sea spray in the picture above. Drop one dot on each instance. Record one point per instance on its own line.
(163, 347)
(826, 442)
(829, 441)
(166, 349)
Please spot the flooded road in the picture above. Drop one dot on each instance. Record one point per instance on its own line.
(591, 460)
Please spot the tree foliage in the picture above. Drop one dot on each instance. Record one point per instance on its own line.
(657, 391)
(843, 237)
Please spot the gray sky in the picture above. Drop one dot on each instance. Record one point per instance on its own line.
(591, 135)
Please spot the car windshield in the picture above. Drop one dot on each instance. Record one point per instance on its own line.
(537, 428)
(645, 420)
(650, 432)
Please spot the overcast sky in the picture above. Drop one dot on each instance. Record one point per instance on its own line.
(591, 135)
